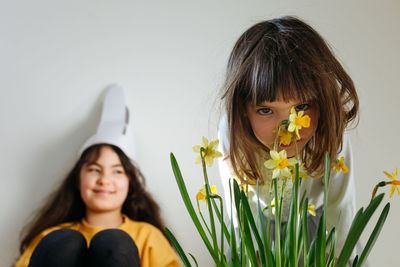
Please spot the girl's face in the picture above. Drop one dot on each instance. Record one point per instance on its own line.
(104, 184)
(265, 118)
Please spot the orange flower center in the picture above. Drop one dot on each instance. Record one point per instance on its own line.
(303, 121)
(396, 182)
(282, 163)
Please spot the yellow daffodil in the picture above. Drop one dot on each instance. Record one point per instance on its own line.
(210, 152)
(340, 165)
(311, 210)
(298, 121)
(202, 195)
(279, 163)
(285, 137)
(292, 172)
(394, 182)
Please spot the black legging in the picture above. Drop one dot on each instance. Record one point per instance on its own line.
(68, 248)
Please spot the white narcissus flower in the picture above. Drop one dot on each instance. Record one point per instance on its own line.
(279, 163)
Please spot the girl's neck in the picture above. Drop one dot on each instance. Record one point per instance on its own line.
(104, 219)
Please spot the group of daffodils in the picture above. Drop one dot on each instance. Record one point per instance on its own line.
(281, 166)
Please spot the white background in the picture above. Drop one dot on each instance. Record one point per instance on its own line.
(57, 57)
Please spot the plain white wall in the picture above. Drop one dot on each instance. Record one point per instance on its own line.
(57, 57)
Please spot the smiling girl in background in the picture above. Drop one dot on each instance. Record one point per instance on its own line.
(101, 215)
(279, 67)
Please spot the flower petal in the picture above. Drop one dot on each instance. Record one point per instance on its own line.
(285, 173)
(196, 148)
(282, 154)
(270, 164)
(213, 144)
(388, 175)
(209, 161)
(292, 162)
(274, 154)
(392, 191)
(214, 189)
(275, 173)
(345, 169)
(205, 141)
(291, 127)
(198, 160)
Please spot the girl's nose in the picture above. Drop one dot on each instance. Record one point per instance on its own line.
(103, 179)
(283, 116)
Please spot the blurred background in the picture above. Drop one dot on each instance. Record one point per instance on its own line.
(57, 58)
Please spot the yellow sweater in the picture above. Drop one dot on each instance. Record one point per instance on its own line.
(154, 249)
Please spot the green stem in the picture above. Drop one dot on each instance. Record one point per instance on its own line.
(285, 122)
(380, 184)
(296, 151)
(277, 227)
(203, 163)
(208, 194)
(202, 218)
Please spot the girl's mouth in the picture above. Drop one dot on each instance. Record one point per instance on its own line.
(103, 191)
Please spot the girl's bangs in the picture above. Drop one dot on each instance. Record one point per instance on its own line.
(279, 80)
(91, 154)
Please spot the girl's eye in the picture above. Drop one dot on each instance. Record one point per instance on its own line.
(264, 111)
(95, 170)
(118, 171)
(302, 107)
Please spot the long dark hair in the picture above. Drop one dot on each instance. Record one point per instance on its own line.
(286, 59)
(66, 204)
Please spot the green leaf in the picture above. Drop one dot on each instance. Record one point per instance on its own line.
(236, 195)
(253, 226)
(189, 206)
(278, 255)
(332, 242)
(305, 232)
(374, 235)
(320, 249)
(178, 247)
(234, 259)
(355, 261)
(221, 220)
(267, 250)
(311, 253)
(355, 232)
(247, 237)
(194, 259)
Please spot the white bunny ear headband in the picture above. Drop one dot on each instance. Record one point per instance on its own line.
(114, 127)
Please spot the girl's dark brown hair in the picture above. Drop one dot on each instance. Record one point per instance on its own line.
(286, 59)
(66, 205)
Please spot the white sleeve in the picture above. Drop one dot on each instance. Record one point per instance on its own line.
(341, 205)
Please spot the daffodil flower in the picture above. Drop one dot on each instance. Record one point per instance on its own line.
(340, 165)
(279, 163)
(298, 121)
(202, 194)
(302, 175)
(311, 209)
(210, 152)
(285, 137)
(394, 182)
